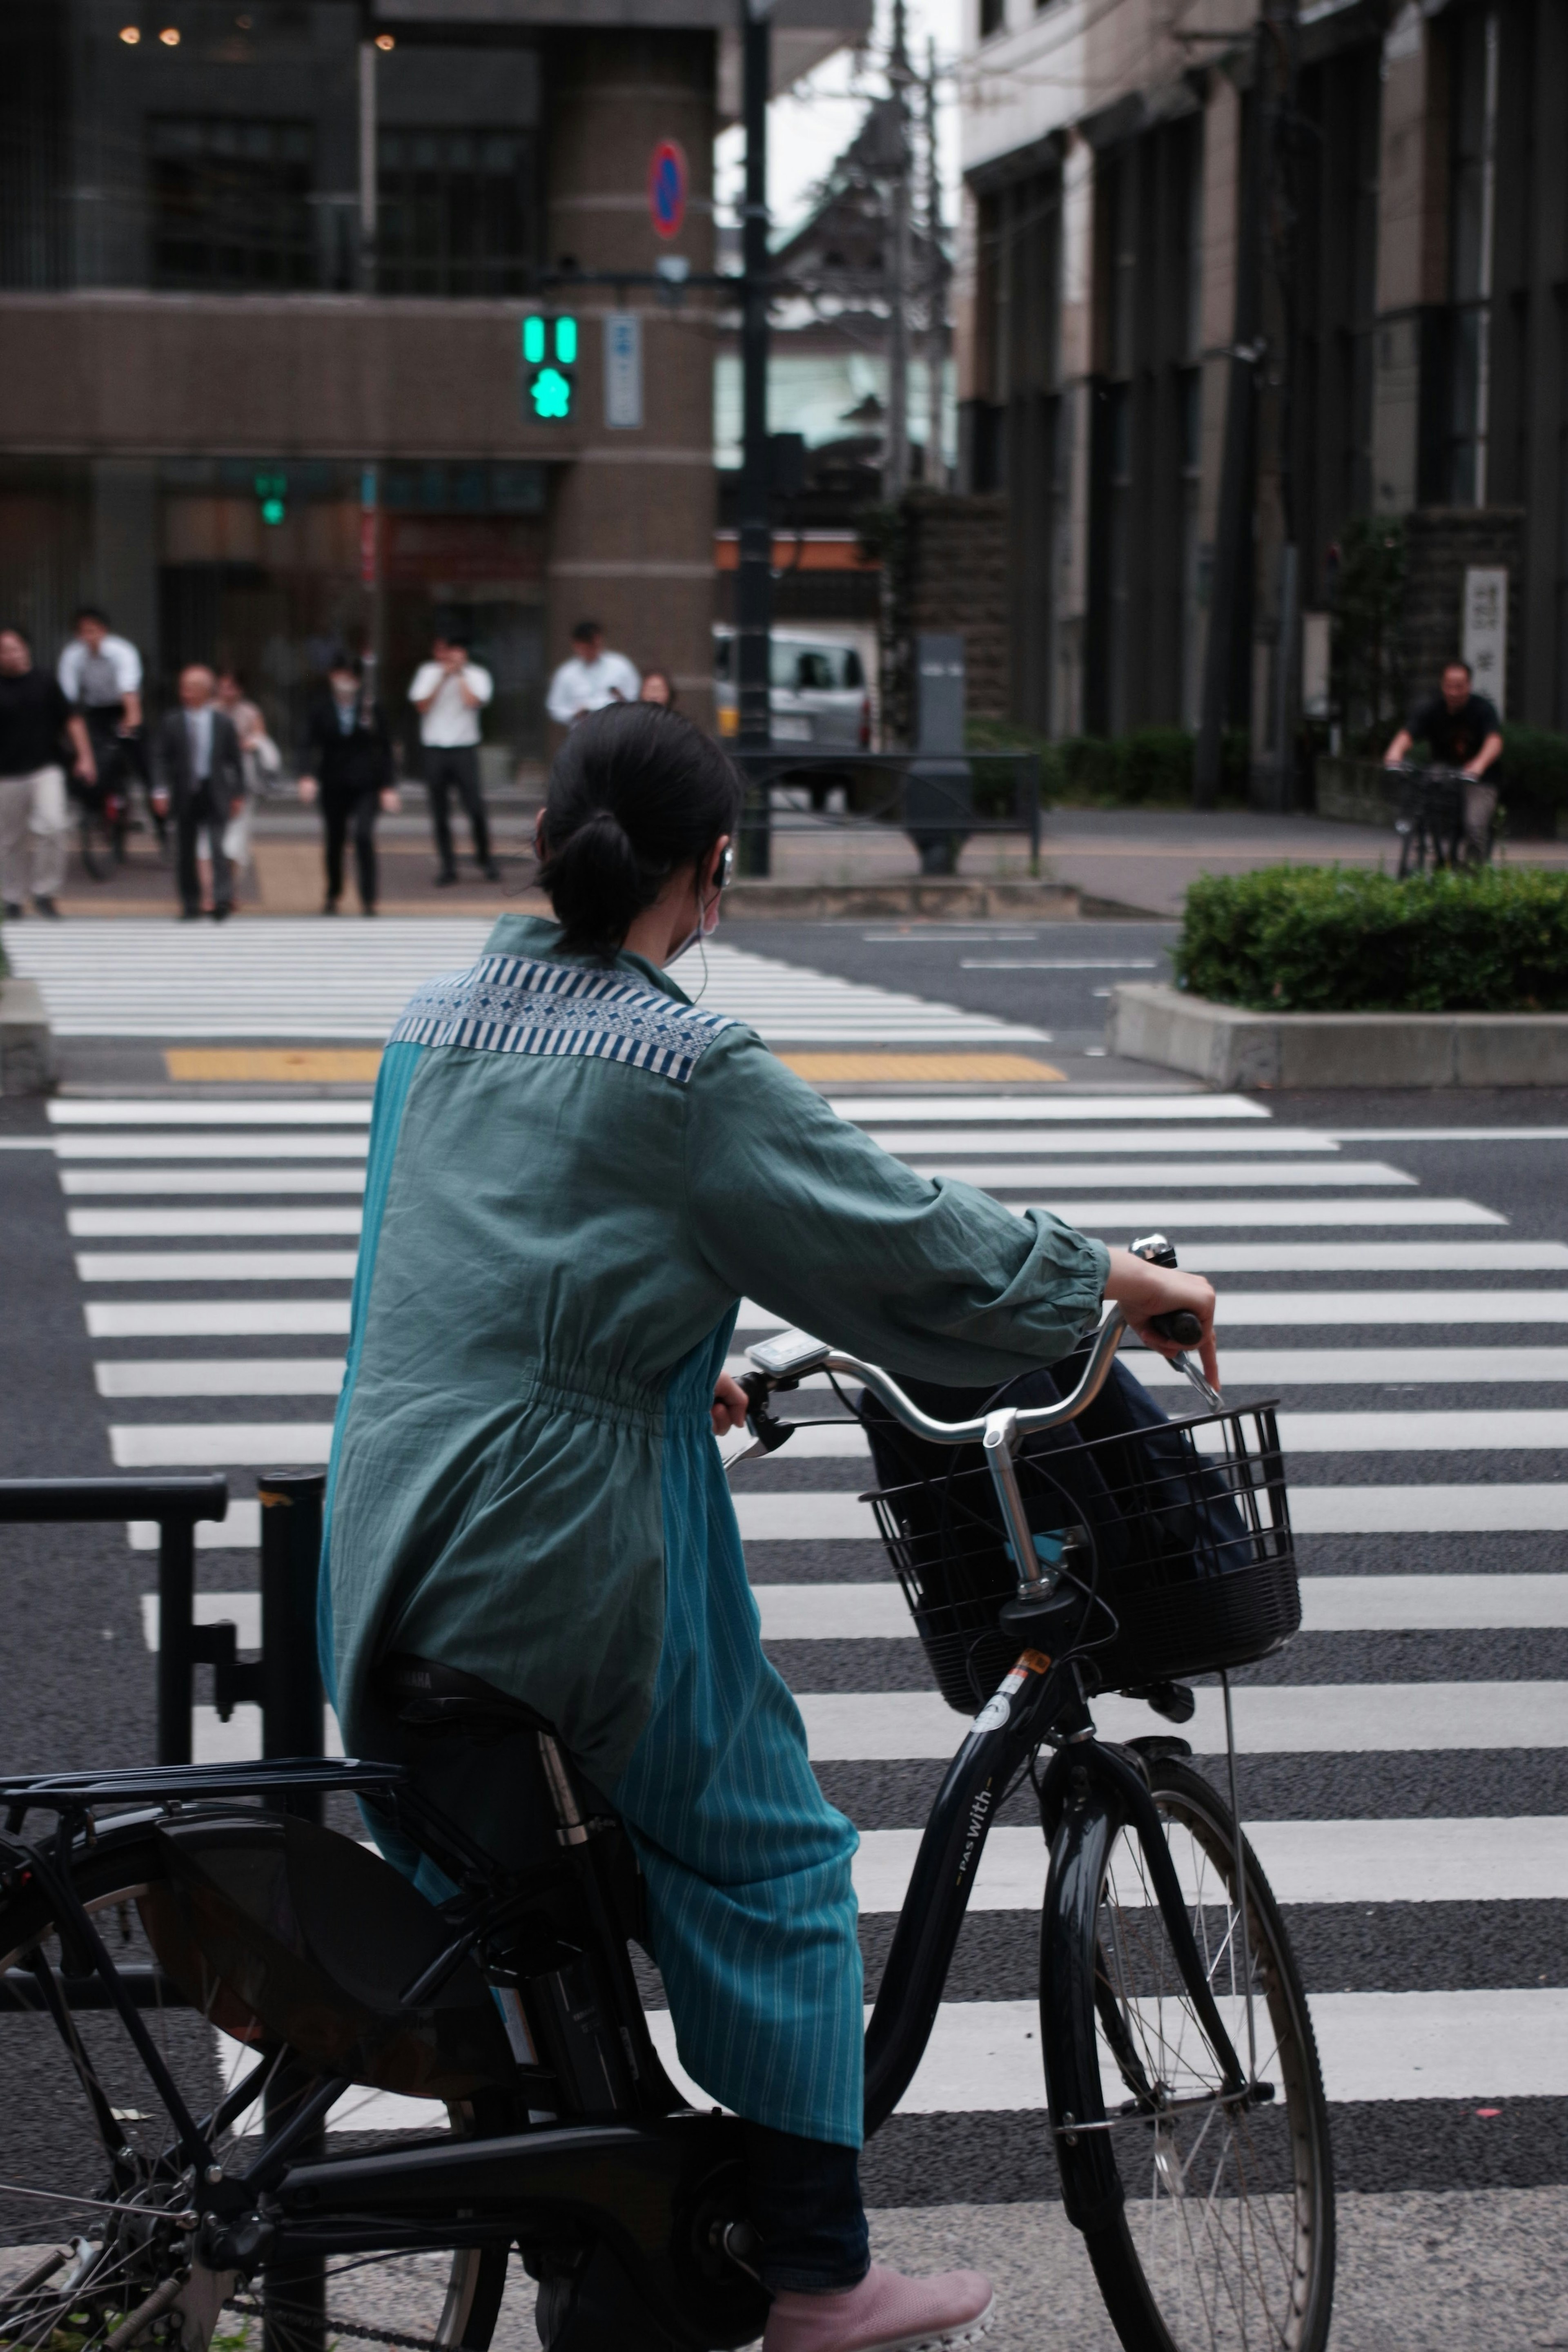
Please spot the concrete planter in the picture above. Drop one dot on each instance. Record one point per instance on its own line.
(1229, 1048)
(26, 1041)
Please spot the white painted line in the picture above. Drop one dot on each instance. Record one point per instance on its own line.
(1271, 1719)
(1365, 1258)
(1005, 1175)
(1084, 1140)
(218, 1445)
(1476, 1509)
(1177, 1217)
(1526, 1430)
(161, 1110)
(1330, 1604)
(218, 1266)
(984, 2056)
(127, 1184)
(1449, 1134)
(240, 1610)
(1362, 1367)
(217, 1319)
(256, 1149)
(884, 1111)
(1415, 1861)
(238, 1740)
(207, 1224)
(1283, 1308)
(1512, 1510)
(240, 1530)
(171, 1376)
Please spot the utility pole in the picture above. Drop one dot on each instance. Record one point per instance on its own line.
(1233, 528)
(895, 447)
(754, 577)
(936, 285)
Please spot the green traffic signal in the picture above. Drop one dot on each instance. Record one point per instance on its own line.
(272, 490)
(551, 394)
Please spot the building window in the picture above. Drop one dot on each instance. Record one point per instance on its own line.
(993, 17)
(456, 213)
(1472, 200)
(232, 208)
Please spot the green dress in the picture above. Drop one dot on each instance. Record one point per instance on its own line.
(574, 1176)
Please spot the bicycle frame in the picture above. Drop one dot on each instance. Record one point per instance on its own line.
(656, 2179)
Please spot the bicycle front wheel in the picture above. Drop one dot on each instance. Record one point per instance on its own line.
(91, 2233)
(102, 841)
(1210, 2218)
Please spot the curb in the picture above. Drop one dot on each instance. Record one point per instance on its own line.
(26, 1041)
(1229, 1048)
(947, 896)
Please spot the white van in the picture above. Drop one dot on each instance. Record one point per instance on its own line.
(821, 693)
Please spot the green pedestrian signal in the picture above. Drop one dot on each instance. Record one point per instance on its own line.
(550, 362)
(272, 492)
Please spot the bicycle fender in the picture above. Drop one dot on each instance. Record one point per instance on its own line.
(1092, 2191)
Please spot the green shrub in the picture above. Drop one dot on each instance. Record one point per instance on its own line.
(1534, 766)
(1336, 939)
(1150, 767)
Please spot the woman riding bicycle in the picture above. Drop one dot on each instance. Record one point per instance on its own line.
(574, 1176)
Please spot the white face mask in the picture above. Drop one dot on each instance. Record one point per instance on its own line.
(709, 922)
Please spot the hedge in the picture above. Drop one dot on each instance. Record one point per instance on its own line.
(1149, 766)
(1336, 939)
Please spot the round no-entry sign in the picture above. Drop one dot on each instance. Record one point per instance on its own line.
(667, 187)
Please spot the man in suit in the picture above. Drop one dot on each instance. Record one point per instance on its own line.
(346, 761)
(198, 774)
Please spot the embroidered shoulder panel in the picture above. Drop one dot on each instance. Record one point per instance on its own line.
(511, 1004)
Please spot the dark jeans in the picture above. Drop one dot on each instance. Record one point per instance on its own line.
(807, 2210)
(456, 770)
(338, 810)
(198, 809)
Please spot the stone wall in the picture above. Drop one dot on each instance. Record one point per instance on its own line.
(957, 579)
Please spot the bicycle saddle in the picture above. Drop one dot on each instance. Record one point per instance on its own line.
(437, 1700)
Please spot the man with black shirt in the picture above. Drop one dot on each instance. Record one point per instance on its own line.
(1461, 730)
(346, 761)
(35, 720)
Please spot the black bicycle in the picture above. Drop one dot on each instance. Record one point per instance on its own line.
(213, 1998)
(1445, 820)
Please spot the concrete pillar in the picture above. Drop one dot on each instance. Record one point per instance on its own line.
(122, 559)
(632, 516)
(1217, 323)
(1071, 600)
(1412, 247)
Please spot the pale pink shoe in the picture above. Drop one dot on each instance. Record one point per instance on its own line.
(886, 2313)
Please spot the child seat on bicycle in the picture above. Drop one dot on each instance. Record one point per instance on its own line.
(575, 1174)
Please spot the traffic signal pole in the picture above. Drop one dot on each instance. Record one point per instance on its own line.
(754, 578)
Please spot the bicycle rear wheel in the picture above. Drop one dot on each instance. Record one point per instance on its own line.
(1210, 2222)
(84, 2240)
(102, 838)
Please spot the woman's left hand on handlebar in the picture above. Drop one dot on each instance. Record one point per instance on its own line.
(1142, 1291)
(730, 1405)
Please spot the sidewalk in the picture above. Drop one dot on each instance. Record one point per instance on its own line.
(1139, 861)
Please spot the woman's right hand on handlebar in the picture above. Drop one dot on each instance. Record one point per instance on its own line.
(1142, 1291)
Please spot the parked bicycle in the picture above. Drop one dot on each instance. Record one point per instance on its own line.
(210, 1979)
(1445, 820)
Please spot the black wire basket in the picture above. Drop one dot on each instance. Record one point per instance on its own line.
(1178, 1538)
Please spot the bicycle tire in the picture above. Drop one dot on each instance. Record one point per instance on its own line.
(1214, 2229)
(452, 2304)
(102, 845)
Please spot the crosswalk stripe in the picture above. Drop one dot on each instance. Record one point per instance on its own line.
(215, 1376)
(98, 1183)
(1365, 1367)
(337, 1143)
(1521, 1860)
(218, 1265)
(155, 1111)
(206, 1224)
(1335, 1510)
(1177, 1217)
(1005, 1176)
(1297, 1257)
(1330, 1604)
(287, 979)
(1271, 1719)
(878, 1110)
(844, 1612)
(217, 1319)
(979, 1139)
(1239, 1309)
(218, 1445)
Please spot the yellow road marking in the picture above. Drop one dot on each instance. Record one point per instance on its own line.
(904, 1069)
(274, 1065)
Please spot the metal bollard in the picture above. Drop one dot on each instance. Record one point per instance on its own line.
(293, 2295)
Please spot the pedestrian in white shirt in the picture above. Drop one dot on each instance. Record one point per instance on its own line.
(591, 678)
(449, 691)
(99, 675)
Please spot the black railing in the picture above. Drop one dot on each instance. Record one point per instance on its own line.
(286, 1681)
(940, 800)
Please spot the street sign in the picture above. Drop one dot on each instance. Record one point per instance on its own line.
(1484, 631)
(667, 188)
(623, 371)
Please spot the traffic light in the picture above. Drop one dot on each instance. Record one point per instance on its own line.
(272, 491)
(549, 367)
